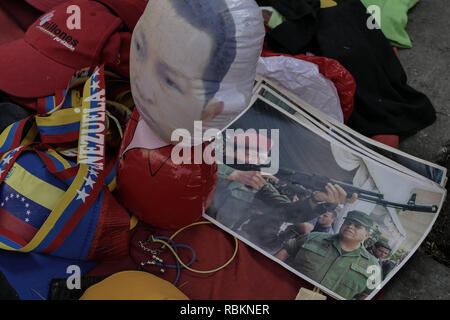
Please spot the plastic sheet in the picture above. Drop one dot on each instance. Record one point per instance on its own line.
(303, 79)
(343, 81)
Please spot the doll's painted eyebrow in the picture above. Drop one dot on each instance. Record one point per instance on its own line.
(142, 43)
(166, 71)
(163, 67)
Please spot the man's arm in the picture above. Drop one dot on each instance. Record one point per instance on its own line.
(291, 247)
(305, 227)
(298, 211)
(223, 171)
(252, 179)
(282, 255)
(303, 210)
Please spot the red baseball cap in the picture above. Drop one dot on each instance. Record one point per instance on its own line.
(50, 53)
(45, 5)
(128, 10)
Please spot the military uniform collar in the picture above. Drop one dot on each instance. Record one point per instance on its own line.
(364, 252)
(357, 252)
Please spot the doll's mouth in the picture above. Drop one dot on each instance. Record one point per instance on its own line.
(143, 111)
(143, 101)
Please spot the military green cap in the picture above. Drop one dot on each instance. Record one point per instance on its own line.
(361, 217)
(382, 243)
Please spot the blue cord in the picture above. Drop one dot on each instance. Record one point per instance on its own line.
(178, 266)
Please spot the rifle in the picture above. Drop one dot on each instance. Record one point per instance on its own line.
(294, 182)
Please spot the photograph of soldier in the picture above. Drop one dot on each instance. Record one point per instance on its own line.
(315, 213)
(381, 250)
(339, 262)
(249, 202)
(288, 230)
(323, 223)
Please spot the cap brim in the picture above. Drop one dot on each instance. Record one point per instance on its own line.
(26, 73)
(45, 5)
(362, 223)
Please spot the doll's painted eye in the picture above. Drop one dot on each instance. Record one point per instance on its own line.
(171, 83)
(140, 45)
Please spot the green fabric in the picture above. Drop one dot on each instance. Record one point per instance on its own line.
(269, 194)
(236, 189)
(319, 256)
(275, 19)
(234, 200)
(394, 18)
(247, 194)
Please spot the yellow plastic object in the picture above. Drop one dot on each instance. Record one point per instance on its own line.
(327, 3)
(133, 285)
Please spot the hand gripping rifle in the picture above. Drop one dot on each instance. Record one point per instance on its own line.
(294, 182)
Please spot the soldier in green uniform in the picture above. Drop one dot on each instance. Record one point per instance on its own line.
(241, 194)
(381, 250)
(247, 202)
(338, 262)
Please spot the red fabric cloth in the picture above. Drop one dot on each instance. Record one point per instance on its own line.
(45, 5)
(112, 236)
(128, 10)
(9, 30)
(20, 12)
(250, 276)
(343, 81)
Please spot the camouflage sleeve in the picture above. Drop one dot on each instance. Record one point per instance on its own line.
(223, 171)
(298, 211)
(293, 245)
(271, 196)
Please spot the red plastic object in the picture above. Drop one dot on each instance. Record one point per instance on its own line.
(159, 192)
(388, 139)
(395, 50)
(343, 80)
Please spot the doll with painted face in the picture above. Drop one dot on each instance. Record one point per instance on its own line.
(191, 60)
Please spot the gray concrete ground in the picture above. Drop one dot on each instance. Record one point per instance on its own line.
(427, 65)
(421, 278)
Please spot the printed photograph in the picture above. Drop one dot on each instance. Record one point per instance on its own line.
(424, 168)
(335, 218)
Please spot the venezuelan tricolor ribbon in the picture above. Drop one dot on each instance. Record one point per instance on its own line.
(53, 205)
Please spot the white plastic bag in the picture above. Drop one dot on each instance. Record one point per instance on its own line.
(304, 80)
